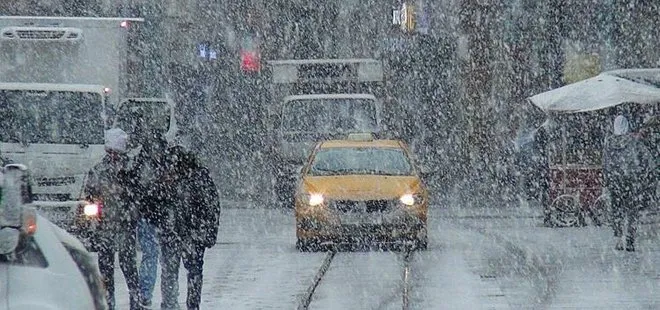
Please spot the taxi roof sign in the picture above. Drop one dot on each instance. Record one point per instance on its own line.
(362, 136)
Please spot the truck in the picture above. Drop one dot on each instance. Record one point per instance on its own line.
(60, 80)
(316, 99)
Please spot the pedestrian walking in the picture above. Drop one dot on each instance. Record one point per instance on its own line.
(148, 172)
(190, 226)
(108, 185)
(626, 167)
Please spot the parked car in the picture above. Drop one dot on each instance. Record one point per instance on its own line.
(41, 265)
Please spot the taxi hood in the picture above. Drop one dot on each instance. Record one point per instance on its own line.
(361, 187)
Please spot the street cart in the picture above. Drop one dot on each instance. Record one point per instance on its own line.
(579, 118)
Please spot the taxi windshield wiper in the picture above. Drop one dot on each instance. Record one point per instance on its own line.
(378, 172)
(354, 171)
(321, 171)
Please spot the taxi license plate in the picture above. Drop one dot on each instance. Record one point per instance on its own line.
(360, 219)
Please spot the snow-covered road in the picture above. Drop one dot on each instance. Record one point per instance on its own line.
(481, 262)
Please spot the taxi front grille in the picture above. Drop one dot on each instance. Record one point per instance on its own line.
(367, 206)
(56, 181)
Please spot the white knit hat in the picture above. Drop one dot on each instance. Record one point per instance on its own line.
(116, 140)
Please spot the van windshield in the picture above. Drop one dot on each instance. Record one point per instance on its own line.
(330, 115)
(57, 117)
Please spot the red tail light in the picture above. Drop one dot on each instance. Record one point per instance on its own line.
(29, 221)
(250, 61)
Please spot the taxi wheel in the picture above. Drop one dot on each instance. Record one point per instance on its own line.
(422, 244)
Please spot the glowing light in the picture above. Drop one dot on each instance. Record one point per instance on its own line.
(407, 199)
(91, 209)
(30, 222)
(315, 199)
(250, 61)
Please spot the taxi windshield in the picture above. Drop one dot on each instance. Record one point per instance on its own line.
(360, 160)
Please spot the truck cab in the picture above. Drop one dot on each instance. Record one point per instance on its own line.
(59, 79)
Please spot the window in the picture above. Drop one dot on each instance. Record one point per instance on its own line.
(330, 115)
(368, 161)
(60, 117)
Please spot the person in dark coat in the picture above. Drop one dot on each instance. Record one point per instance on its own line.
(626, 167)
(189, 228)
(149, 171)
(107, 187)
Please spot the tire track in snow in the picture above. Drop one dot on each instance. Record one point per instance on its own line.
(546, 271)
(362, 282)
(307, 298)
(405, 278)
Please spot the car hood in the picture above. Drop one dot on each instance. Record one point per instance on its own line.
(361, 187)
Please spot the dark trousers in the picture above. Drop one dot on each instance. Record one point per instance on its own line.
(172, 254)
(625, 207)
(123, 243)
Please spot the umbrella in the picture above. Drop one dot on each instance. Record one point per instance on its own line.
(605, 90)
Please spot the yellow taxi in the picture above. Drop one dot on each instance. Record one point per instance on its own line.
(360, 190)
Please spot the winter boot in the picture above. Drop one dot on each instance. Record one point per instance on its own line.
(630, 245)
(146, 305)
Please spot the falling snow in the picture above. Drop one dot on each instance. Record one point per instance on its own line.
(532, 125)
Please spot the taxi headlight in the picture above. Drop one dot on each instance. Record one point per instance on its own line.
(312, 199)
(411, 199)
(315, 199)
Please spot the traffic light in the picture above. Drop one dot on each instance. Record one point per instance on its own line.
(250, 55)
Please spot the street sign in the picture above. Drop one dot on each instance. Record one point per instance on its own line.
(206, 52)
(396, 17)
(405, 17)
